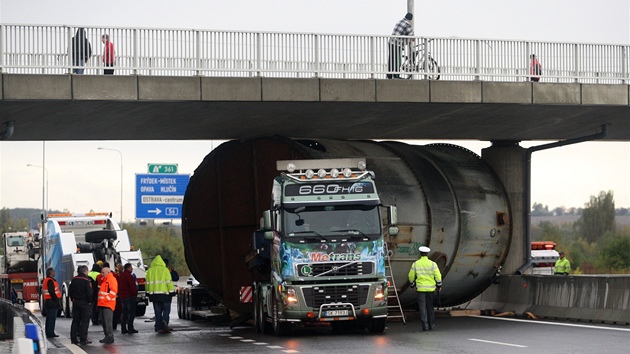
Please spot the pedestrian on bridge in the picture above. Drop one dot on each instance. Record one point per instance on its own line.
(563, 266)
(108, 54)
(535, 69)
(402, 28)
(425, 276)
(81, 51)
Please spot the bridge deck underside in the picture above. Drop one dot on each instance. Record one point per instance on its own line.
(177, 120)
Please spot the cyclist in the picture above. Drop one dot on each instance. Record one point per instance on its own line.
(402, 28)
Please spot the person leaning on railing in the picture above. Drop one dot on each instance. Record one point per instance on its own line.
(402, 28)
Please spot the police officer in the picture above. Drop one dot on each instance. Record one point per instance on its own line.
(425, 276)
(563, 266)
(81, 294)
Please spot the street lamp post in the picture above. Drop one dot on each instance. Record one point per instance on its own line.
(44, 187)
(121, 182)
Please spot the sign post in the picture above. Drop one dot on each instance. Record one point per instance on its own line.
(160, 196)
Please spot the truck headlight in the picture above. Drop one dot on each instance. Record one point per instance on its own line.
(379, 293)
(292, 298)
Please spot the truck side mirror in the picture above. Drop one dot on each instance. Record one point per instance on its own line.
(392, 215)
(392, 218)
(267, 224)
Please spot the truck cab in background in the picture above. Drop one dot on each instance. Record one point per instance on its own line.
(18, 266)
(72, 240)
(320, 250)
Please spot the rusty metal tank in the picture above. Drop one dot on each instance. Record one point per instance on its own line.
(447, 198)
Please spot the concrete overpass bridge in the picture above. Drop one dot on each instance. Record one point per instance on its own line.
(188, 84)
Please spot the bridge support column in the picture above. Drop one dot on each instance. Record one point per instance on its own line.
(507, 159)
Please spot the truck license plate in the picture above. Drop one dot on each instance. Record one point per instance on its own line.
(336, 313)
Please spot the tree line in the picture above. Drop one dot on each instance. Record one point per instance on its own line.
(594, 243)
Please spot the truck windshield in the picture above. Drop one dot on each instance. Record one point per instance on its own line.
(15, 241)
(332, 220)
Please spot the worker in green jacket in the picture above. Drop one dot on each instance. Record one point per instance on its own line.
(160, 289)
(563, 266)
(425, 276)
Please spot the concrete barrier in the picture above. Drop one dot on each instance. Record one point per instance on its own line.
(601, 298)
(12, 315)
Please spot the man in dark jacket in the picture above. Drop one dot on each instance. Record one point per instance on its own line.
(127, 292)
(81, 294)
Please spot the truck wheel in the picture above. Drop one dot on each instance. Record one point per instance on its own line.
(376, 325)
(65, 303)
(99, 235)
(280, 328)
(141, 310)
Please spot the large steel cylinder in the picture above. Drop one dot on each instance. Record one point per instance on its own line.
(448, 199)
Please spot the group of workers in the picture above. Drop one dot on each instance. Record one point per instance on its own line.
(97, 295)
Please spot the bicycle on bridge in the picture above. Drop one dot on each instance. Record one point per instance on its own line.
(414, 63)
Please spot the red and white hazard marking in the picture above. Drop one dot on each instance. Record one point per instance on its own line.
(247, 293)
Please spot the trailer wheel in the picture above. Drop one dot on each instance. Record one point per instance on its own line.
(141, 310)
(376, 325)
(187, 302)
(280, 328)
(99, 235)
(262, 326)
(180, 298)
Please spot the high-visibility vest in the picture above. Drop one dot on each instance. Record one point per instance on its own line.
(107, 292)
(45, 292)
(562, 266)
(426, 274)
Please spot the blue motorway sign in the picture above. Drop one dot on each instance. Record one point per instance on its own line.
(160, 196)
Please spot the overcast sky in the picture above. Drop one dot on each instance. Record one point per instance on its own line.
(81, 177)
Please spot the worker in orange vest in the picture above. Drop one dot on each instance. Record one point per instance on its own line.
(52, 296)
(107, 303)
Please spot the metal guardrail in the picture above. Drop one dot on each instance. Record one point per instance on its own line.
(44, 49)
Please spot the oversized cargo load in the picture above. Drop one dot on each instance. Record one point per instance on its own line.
(447, 198)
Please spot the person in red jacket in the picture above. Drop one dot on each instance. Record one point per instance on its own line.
(127, 292)
(535, 69)
(107, 303)
(108, 55)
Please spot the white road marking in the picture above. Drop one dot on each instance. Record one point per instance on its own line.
(290, 351)
(248, 340)
(553, 323)
(236, 337)
(274, 347)
(261, 343)
(500, 343)
(75, 349)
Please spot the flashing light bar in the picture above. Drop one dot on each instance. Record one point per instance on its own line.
(316, 164)
(61, 215)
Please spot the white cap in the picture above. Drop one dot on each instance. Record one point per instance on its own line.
(424, 249)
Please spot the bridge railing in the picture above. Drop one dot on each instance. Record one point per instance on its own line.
(42, 49)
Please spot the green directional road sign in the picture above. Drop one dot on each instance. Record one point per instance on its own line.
(162, 168)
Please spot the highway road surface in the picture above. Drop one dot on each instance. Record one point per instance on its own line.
(452, 335)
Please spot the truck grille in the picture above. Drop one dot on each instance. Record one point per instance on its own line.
(318, 295)
(335, 269)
